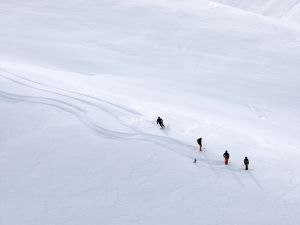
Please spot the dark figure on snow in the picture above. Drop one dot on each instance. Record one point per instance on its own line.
(160, 122)
(195, 160)
(226, 156)
(246, 162)
(199, 141)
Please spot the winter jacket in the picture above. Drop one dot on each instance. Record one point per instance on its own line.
(246, 161)
(159, 120)
(226, 155)
(199, 141)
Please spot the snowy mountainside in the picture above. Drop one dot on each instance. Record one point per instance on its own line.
(273, 8)
(293, 14)
(82, 83)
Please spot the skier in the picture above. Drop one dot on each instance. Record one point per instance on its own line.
(195, 160)
(160, 122)
(246, 162)
(199, 141)
(226, 156)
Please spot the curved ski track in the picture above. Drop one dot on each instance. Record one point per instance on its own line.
(79, 105)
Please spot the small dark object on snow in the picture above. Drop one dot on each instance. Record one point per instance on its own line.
(199, 141)
(160, 122)
(226, 156)
(246, 162)
(195, 160)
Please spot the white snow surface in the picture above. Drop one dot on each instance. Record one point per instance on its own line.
(273, 8)
(83, 81)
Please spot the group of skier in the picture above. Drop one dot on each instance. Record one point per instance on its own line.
(199, 141)
(226, 155)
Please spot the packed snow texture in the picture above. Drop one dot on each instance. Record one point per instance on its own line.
(273, 8)
(83, 81)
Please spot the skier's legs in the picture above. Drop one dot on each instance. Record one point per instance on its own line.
(246, 166)
(226, 161)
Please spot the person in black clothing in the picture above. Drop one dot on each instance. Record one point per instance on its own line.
(199, 141)
(160, 122)
(246, 162)
(226, 156)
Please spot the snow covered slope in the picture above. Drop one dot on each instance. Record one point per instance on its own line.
(293, 14)
(273, 8)
(82, 83)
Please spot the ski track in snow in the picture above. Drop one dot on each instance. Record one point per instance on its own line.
(81, 149)
(83, 114)
(78, 105)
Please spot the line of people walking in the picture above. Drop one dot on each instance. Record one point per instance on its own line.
(226, 155)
